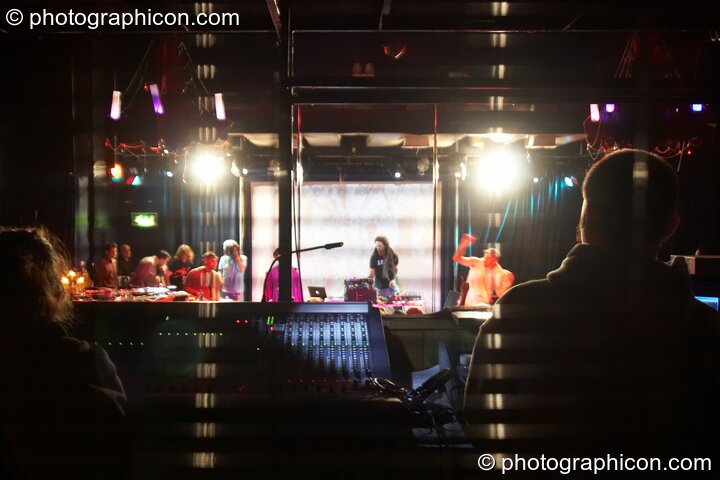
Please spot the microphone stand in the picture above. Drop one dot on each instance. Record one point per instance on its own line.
(267, 274)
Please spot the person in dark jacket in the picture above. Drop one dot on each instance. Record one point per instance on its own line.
(61, 401)
(610, 353)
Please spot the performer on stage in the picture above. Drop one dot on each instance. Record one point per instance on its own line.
(487, 280)
(232, 267)
(383, 268)
(150, 271)
(204, 282)
(272, 287)
(179, 266)
(107, 268)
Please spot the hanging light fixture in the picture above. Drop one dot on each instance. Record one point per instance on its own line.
(116, 105)
(219, 107)
(157, 104)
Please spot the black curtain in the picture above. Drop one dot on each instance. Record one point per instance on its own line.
(204, 215)
(534, 228)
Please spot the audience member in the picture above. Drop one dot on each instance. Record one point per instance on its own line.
(611, 353)
(61, 402)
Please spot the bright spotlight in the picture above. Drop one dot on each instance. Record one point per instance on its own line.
(594, 112)
(169, 174)
(569, 181)
(498, 172)
(219, 107)
(536, 179)
(136, 181)
(116, 172)
(697, 107)
(208, 168)
(244, 171)
(609, 107)
(398, 174)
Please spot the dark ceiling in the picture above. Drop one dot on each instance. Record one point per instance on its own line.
(356, 69)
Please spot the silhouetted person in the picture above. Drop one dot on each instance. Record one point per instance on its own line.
(610, 353)
(125, 266)
(60, 399)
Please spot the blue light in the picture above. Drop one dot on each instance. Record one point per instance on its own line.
(569, 182)
(136, 181)
(697, 107)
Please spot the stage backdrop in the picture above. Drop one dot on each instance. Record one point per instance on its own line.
(353, 213)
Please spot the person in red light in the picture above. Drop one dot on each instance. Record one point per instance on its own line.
(107, 268)
(204, 282)
(487, 280)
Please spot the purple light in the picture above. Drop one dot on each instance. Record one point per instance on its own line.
(157, 104)
(697, 107)
(594, 112)
(610, 107)
(219, 107)
(116, 105)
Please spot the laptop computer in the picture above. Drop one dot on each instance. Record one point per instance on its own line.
(318, 292)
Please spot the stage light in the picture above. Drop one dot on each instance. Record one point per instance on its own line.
(208, 167)
(234, 169)
(157, 104)
(169, 174)
(609, 107)
(498, 171)
(116, 105)
(697, 107)
(116, 172)
(136, 181)
(219, 107)
(244, 171)
(536, 179)
(397, 174)
(594, 112)
(570, 181)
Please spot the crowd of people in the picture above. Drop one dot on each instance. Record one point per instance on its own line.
(635, 366)
(212, 281)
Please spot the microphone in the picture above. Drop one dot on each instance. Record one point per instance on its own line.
(328, 246)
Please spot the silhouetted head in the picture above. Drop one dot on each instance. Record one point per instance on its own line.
(31, 292)
(630, 200)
